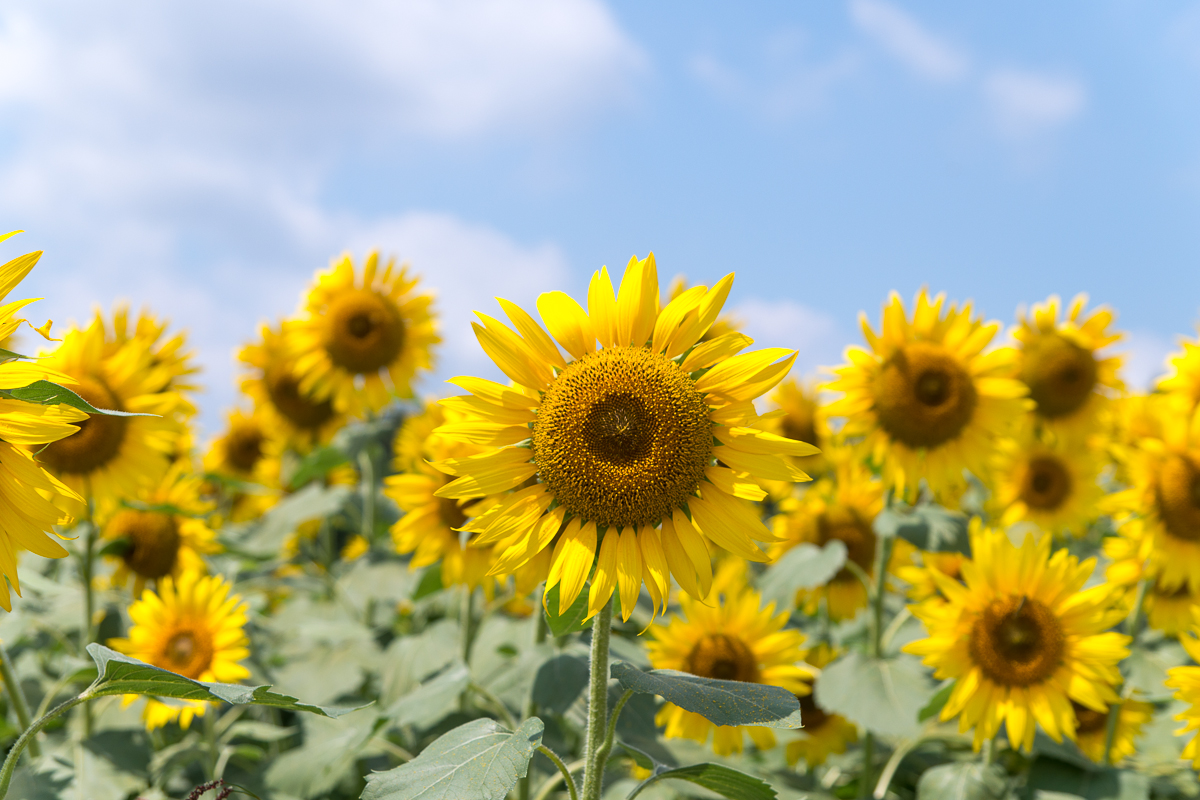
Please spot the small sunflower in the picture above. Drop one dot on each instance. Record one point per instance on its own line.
(801, 418)
(1091, 730)
(1069, 381)
(621, 438)
(1182, 383)
(1022, 639)
(1052, 481)
(1186, 683)
(361, 343)
(926, 401)
(824, 733)
(170, 361)
(735, 639)
(251, 451)
(166, 536)
(922, 585)
(1131, 554)
(192, 627)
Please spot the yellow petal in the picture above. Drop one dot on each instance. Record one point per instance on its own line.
(770, 467)
(516, 344)
(723, 530)
(734, 372)
(629, 570)
(606, 573)
(674, 315)
(695, 326)
(735, 484)
(637, 302)
(602, 307)
(511, 362)
(725, 346)
(678, 560)
(485, 433)
(697, 551)
(752, 440)
(567, 322)
(478, 407)
(534, 336)
(494, 392)
(578, 553)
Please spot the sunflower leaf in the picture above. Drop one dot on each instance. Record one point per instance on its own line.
(962, 781)
(883, 695)
(719, 702)
(559, 682)
(1049, 777)
(927, 526)
(317, 464)
(570, 620)
(805, 566)
(9, 355)
(480, 760)
(120, 674)
(725, 781)
(45, 393)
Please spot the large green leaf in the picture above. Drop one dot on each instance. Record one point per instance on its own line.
(803, 567)
(314, 501)
(570, 620)
(1146, 669)
(929, 527)
(1049, 776)
(884, 695)
(120, 674)
(316, 465)
(962, 781)
(559, 681)
(481, 760)
(725, 781)
(432, 700)
(720, 702)
(45, 393)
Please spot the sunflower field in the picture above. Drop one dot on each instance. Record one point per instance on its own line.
(963, 564)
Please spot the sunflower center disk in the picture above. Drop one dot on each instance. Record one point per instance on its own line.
(1088, 720)
(813, 715)
(723, 657)
(923, 396)
(1179, 497)
(1017, 641)
(365, 331)
(284, 391)
(187, 653)
(1047, 483)
(800, 426)
(622, 437)
(847, 526)
(244, 448)
(99, 438)
(1059, 373)
(154, 542)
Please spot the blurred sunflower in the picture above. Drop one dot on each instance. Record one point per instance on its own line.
(1022, 639)
(1130, 554)
(377, 333)
(1186, 683)
(824, 733)
(167, 538)
(801, 418)
(251, 452)
(1052, 481)
(735, 639)
(1182, 383)
(192, 627)
(274, 386)
(925, 401)
(918, 574)
(1069, 382)
(622, 439)
(172, 364)
(1091, 730)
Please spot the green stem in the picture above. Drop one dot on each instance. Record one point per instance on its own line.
(547, 788)
(606, 749)
(883, 551)
(18, 698)
(366, 466)
(10, 762)
(466, 622)
(593, 771)
(497, 704)
(864, 780)
(889, 769)
(88, 633)
(562, 769)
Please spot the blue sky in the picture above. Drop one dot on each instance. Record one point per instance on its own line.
(205, 158)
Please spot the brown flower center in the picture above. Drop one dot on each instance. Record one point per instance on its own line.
(244, 446)
(99, 438)
(847, 526)
(1088, 720)
(723, 657)
(1046, 484)
(187, 652)
(1059, 373)
(800, 423)
(1178, 494)
(153, 541)
(364, 331)
(284, 391)
(451, 513)
(923, 395)
(1017, 641)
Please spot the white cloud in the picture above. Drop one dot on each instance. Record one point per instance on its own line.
(1025, 104)
(1145, 358)
(786, 323)
(908, 41)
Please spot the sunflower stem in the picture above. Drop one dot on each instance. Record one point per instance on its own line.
(10, 761)
(563, 770)
(366, 466)
(87, 633)
(20, 705)
(883, 551)
(864, 780)
(593, 771)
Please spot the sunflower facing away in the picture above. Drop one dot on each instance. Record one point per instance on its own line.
(361, 342)
(824, 733)
(1052, 481)
(1091, 730)
(34, 501)
(1069, 381)
(622, 439)
(1022, 640)
(192, 627)
(735, 639)
(925, 401)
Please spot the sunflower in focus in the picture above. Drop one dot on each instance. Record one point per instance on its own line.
(925, 401)
(726, 323)
(1022, 639)
(1091, 730)
(1130, 554)
(824, 733)
(1182, 383)
(361, 342)
(248, 451)
(1069, 382)
(735, 639)
(193, 627)
(274, 386)
(164, 536)
(34, 500)
(801, 418)
(1049, 480)
(622, 439)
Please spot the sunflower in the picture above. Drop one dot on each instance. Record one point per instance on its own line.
(192, 627)
(1022, 639)
(250, 451)
(925, 402)
(360, 344)
(114, 457)
(726, 323)
(1050, 480)
(1091, 730)
(1186, 683)
(1182, 383)
(164, 535)
(918, 574)
(168, 359)
(1069, 382)
(34, 500)
(1130, 553)
(801, 418)
(621, 438)
(735, 639)
(274, 386)
(824, 733)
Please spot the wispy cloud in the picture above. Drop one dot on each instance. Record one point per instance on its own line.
(1025, 104)
(910, 42)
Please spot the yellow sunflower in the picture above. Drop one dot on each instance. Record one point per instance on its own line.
(621, 438)
(1182, 383)
(801, 418)
(1022, 639)
(926, 401)
(735, 639)
(1091, 730)
(114, 457)
(726, 323)
(1052, 481)
(1130, 555)
(193, 626)
(250, 450)
(165, 536)
(1070, 383)
(34, 501)
(922, 585)
(824, 733)
(1186, 683)
(172, 364)
(361, 343)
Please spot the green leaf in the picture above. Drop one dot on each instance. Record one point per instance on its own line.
(725, 781)
(120, 674)
(559, 682)
(117, 547)
(1049, 776)
(317, 464)
(432, 700)
(572, 619)
(929, 527)
(9, 355)
(937, 702)
(481, 760)
(884, 695)
(1146, 670)
(431, 581)
(803, 567)
(45, 393)
(720, 702)
(312, 502)
(962, 781)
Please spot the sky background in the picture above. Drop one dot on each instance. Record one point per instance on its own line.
(204, 159)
